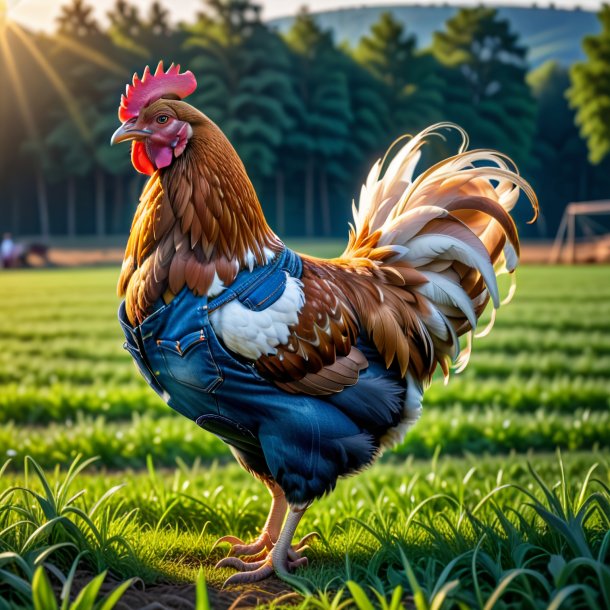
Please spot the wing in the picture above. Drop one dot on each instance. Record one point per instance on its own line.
(319, 356)
(304, 341)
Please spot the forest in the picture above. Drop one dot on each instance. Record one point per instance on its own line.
(307, 115)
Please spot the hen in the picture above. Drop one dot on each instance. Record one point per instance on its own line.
(307, 368)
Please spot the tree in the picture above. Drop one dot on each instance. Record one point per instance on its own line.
(246, 84)
(93, 85)
(24, 101)
(370, 134)
(77, 20)
(126, 27)
(485, 89)
(556, 145)
(390, 55)
(590, 90)
(324, 132)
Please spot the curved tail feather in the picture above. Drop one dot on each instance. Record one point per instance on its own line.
(451, 224)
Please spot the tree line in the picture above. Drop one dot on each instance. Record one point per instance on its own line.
(308, 116)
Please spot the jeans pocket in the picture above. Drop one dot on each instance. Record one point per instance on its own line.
(189, 361)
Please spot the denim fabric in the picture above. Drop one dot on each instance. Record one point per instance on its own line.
(304, 442)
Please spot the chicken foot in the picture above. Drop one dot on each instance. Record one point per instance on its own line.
(271, 530)
(281, 559)
(270, 534)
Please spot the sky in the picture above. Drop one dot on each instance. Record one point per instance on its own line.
(40, 14)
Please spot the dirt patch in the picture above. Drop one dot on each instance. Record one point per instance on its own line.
(68, 257)
(182, 596)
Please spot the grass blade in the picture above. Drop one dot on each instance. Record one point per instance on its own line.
(42, 592)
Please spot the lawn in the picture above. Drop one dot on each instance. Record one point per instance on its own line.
(475, 509)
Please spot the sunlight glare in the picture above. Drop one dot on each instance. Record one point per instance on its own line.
(6, 6)
(90, 54)
(22, 105)
(57, 83)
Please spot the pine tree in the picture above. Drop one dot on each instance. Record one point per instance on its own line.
(126, 27)
(590, 90)
(324, 129)
(485, 89)
(370, 135)
(556, 145)
(24, 124)
(246, 83)
(413, 95)
(77, 20)
(93, 85)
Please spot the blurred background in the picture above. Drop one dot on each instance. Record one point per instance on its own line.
(310, 98)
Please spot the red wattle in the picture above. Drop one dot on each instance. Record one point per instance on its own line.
(140, 159)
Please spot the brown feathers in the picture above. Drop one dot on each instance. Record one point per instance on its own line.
(417, 273)
(326, 330)
(199, 221)
(343, 297)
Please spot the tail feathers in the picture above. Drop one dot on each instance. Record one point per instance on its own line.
(451, 224)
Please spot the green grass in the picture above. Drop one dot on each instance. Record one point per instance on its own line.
(541, 379)
(475, 528)
(458, 430)
(494, 528)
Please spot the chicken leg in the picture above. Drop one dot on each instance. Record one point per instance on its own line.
(281, 559)
(271, 530)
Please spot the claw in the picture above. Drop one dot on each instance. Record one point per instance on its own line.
(253, 572)
(241, 578)
(281, 559)
(233, 540)
(261, 544)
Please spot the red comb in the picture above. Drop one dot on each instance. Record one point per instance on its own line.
(152, 87)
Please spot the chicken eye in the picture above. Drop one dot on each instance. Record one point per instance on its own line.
(162, 118)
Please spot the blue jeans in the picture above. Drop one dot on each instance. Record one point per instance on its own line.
(303, 442)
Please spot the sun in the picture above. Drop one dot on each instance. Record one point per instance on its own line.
(19, 35)
(6, 7)
(9, 10)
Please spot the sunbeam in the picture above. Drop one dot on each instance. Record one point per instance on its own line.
(56, 81)
(90, 54)
(22, 99)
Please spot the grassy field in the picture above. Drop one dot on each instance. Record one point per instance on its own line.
(455, 517)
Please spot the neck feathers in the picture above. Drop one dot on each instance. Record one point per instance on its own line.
(198, 224)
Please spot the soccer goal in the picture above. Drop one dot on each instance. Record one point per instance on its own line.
(579, 213)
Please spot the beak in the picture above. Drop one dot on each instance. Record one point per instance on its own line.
(126, 132)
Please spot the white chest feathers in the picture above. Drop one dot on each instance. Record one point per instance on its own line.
(253, 334)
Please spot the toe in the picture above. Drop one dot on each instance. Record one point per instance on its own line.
(305, 540)
(263, 543)
(239, 564)
(262, 572)
(301, 562)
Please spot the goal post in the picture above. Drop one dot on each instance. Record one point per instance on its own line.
(566, 234)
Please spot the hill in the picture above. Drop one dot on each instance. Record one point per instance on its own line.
(549, 33)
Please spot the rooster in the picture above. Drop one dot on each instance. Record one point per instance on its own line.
(307, 368)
